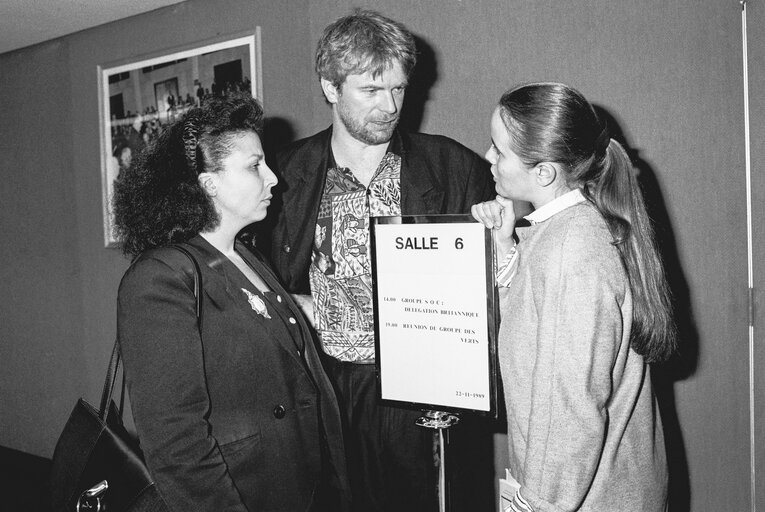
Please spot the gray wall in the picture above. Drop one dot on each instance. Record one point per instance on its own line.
(669, 74)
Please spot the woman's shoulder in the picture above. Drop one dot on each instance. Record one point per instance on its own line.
(583, 223)
(156, 264)
(581, 234)
(167, 256)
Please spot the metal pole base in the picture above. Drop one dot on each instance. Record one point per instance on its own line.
(440, 420)
(437, 419)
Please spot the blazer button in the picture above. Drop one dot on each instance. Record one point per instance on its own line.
(286, 248)
(279, 412)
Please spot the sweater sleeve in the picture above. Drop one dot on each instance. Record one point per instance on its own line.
(164, 366)
(579, 334)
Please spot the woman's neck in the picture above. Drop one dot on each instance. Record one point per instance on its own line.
(549, 195)
(221, 240)
(224, 242)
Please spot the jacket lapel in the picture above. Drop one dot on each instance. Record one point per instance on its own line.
(309, 187)
(273, 283)
(215, 281)
(221, 283)
(421, 194)
(312, 360)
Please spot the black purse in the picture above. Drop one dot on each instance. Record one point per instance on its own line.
(97, 464)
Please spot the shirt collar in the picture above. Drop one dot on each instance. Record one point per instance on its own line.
(557, 205)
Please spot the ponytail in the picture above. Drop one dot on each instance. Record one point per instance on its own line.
(617, 195)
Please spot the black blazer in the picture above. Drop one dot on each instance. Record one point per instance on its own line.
(231, 419)
(438, 175)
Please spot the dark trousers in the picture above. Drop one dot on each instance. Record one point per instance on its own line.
(391, 461)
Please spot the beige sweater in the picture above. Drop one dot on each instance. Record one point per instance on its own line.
(583, 425)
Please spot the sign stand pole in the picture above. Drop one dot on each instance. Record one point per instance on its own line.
(440, 420)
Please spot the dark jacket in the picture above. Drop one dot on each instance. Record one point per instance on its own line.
(232, 419)
(438, 175)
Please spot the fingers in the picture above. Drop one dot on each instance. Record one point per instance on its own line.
(505, 202)
(479, 213)
(499, 216)
(490, 213)
(305, 303)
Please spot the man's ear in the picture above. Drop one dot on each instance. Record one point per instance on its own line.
(546, 173)
(207, 182)
(331, 92)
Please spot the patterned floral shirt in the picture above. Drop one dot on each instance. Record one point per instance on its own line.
(340, 272)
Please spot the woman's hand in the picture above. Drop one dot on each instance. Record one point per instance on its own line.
(497, 215)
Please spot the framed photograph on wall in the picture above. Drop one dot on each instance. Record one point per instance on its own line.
(140, 96)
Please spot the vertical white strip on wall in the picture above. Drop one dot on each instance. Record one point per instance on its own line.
(752, 468)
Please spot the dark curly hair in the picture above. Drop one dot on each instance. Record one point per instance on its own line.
(158, 201)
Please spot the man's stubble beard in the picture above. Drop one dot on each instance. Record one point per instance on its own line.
(361, 131)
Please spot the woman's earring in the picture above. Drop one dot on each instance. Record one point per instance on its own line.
(210, 188)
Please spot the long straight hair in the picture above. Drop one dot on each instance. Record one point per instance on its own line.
(551, 122)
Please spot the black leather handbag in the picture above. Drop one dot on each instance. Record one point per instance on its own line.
(97, 464)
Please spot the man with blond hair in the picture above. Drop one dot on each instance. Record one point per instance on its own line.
(361, 167)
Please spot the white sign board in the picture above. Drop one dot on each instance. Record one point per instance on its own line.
(434, 312)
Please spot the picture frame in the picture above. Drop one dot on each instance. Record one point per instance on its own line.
(139, 96)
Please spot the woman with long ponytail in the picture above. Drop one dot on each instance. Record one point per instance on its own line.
(584, 306)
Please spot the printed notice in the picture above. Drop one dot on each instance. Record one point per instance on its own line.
(433, 293)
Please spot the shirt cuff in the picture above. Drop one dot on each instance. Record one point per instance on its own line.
(507, 268)
(519, 504)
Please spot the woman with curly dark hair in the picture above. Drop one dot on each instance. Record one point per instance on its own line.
(233, 412)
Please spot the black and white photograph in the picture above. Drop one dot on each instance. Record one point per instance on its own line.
(382, 256)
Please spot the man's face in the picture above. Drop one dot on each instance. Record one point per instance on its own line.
(369, 108)
(125, 158)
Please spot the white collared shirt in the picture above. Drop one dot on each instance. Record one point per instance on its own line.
(557, 205)
(507, 268)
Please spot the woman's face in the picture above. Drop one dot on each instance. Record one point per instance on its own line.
(513, 178)
(242, 190)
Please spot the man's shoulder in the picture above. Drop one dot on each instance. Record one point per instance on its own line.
(441, 153)
(316, 143)
(418, 139)
(431, 145)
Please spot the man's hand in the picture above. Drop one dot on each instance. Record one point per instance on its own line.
(305, 303)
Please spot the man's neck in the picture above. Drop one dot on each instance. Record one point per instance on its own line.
(361, 158)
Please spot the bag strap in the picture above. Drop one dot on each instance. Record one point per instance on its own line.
(111, 375)
(114, 361)
(197, 281)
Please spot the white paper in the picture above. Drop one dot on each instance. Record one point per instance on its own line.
(432, 312)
